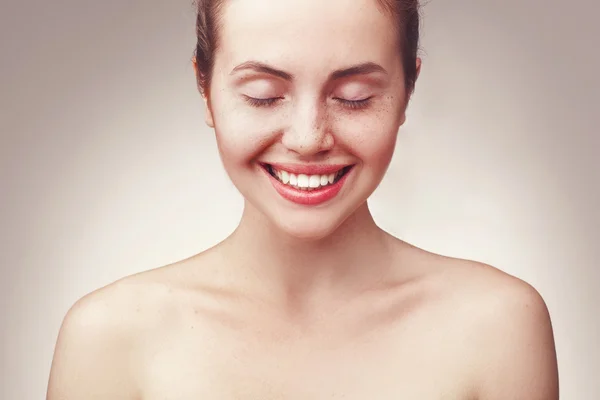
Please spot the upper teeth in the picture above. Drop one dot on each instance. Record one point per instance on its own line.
(303, 181)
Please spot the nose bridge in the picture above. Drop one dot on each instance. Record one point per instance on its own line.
(308, 132)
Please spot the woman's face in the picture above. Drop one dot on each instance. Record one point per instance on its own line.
(306, 99)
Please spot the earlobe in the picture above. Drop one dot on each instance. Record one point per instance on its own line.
(208, 114)
(402, 118)
(208, 117)
(418, 68)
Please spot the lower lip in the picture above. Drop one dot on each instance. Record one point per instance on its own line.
(311, 197)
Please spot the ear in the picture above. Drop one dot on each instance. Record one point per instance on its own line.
(403, 117)
(418, 71)
(208, 116)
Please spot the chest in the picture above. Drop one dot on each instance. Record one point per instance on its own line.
(374, 366)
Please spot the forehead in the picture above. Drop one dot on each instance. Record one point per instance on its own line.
(311, 34)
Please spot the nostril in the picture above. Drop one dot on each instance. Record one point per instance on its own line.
(308, 143)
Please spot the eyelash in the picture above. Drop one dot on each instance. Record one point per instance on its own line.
(355, 104)
(352, 104)
(254, 102)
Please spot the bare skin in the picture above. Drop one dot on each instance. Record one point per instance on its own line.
(304, 302)
(429, 327)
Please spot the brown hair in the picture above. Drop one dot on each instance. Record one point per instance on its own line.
(406, 12)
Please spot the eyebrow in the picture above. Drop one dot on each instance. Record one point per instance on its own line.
(359, 69)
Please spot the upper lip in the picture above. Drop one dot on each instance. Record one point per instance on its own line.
(309, 169)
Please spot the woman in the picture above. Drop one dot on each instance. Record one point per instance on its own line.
(308, 298)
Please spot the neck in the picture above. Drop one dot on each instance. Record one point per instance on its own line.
(352, 258)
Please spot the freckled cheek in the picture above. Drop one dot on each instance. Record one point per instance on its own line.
(371, 140)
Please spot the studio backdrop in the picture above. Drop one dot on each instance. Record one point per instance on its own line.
(107, 167)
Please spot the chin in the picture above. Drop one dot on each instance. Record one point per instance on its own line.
(306, 228)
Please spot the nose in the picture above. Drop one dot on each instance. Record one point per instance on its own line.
(308, 133)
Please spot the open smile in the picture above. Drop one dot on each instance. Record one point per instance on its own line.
(307, 185)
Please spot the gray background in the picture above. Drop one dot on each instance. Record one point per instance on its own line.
(107, 169)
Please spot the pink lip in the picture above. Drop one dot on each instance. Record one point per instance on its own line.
(309, 197)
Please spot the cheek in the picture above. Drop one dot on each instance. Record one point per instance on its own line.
(371, 138)
(241, 136)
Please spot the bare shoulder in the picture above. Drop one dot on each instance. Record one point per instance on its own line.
(95, 345)
(488, 284)
(508, 326)
(101, 336)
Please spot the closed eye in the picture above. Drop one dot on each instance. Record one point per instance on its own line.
(354, 104)
(255, 102)
(267, 102)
